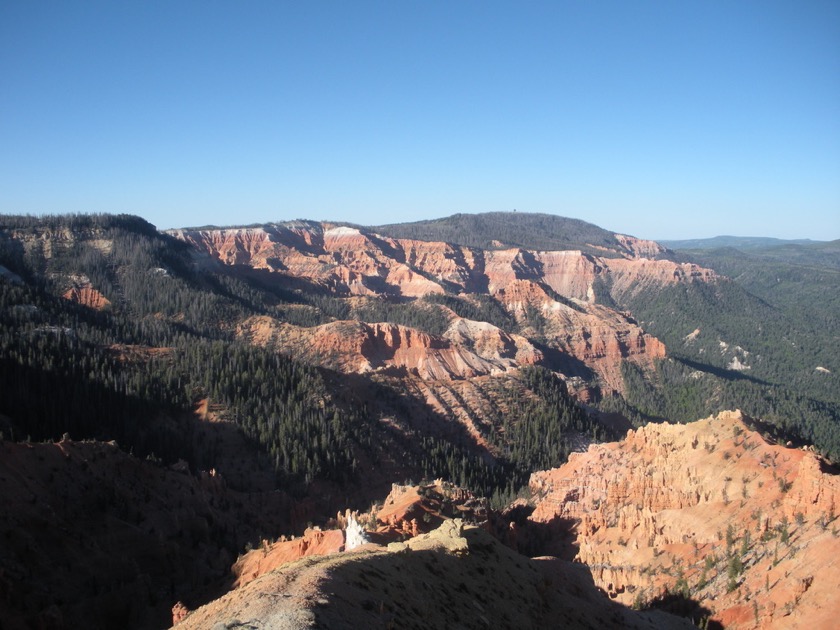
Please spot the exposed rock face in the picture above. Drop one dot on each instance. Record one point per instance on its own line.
(630, 277)
(354, 534)
(561, 287)
(640, 248)
(492, 343)
(401, 516)
(709, 508)
(412, 510)
(598, 336)
(53, 240)
(340, 258)
(83, 292)
(179, 612)
(270, 556)
(352, 346)
(353, 262)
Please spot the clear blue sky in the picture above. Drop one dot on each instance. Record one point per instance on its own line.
(660, 119)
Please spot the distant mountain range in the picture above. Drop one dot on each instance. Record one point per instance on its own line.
(736, 242)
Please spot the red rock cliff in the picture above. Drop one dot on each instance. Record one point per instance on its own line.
(352, 346)
(351, 261)
(559, 286)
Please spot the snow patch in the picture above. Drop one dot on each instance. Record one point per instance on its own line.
(341, 231)
(820, 368)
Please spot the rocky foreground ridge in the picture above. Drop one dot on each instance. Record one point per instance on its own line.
(437, 571)
(710, 511)
(708, 521)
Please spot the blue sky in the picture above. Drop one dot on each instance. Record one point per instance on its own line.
(659, 119)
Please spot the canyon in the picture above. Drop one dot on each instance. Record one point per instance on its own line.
(201, 427)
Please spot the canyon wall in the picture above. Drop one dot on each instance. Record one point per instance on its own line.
(553, 296)
(351, 261)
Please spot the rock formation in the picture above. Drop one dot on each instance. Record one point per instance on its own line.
(407, 512)
(350, 261)
(269, 556)
(412, 510)
(710, 511)
(359, 347)
(354, 535)
(82, 291)
(597, 336)
(640, 248)
(179, 612)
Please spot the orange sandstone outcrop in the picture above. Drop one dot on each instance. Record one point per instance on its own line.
(598, 336)
(359, 347)
(179, 612)
(412, 510)
(314, 542)
(595, 335)
(82, 292)
(492, 343)
(630, 277)
(342, 259)
(710, 510)
(407, 512)
(455, 575)
(640, 248)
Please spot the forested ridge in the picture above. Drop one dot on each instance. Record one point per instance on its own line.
(158, 302)
(495, 230)
(777, 317)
